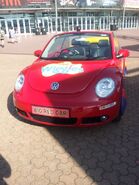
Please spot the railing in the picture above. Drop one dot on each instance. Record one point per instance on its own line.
(31, 25)
(93, 23)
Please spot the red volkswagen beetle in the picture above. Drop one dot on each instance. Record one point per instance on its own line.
(77, 80)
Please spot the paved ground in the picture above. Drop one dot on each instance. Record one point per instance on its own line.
(34, 155)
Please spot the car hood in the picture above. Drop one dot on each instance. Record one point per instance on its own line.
(64, 76)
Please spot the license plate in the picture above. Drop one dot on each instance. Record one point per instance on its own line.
(52, 112)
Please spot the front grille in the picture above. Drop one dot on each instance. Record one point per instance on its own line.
(91, 120)
(55, 120)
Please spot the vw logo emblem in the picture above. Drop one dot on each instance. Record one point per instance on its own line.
(54, 85)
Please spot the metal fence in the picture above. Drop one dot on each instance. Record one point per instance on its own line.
(89, 23)
(30, 25)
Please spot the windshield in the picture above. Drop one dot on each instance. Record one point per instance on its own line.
(79, 46)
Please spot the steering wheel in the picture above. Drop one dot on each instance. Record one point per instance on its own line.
(69, 52)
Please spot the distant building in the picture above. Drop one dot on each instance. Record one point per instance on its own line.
(31, 16)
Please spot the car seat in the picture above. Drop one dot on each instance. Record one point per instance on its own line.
(104, 49)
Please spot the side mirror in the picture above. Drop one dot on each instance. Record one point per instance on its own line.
(122, 53)
(37, 53)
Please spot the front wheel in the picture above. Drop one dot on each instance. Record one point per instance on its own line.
(118, 118)
(123, 104)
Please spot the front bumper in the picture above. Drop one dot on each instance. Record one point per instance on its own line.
(80, 116)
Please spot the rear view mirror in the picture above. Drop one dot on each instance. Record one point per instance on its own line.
(37, 53)
(122, 53)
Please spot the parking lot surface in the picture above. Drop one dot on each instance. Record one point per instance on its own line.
(41, 155)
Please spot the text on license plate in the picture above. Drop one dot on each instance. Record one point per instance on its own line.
(52, 112)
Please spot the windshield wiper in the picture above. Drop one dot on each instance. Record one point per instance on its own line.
(51, 58)
(98, 58)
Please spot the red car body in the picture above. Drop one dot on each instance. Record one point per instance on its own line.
(62, 92)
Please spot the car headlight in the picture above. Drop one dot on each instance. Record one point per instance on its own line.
(19, 82)
(105, 87)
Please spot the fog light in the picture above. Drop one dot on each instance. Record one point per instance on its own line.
(104, 118)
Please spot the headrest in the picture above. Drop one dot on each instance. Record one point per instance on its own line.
(103, 43)
(79, 42)
(74, 42)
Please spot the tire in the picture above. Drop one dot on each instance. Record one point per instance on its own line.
(118, 118)
(123, 104)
